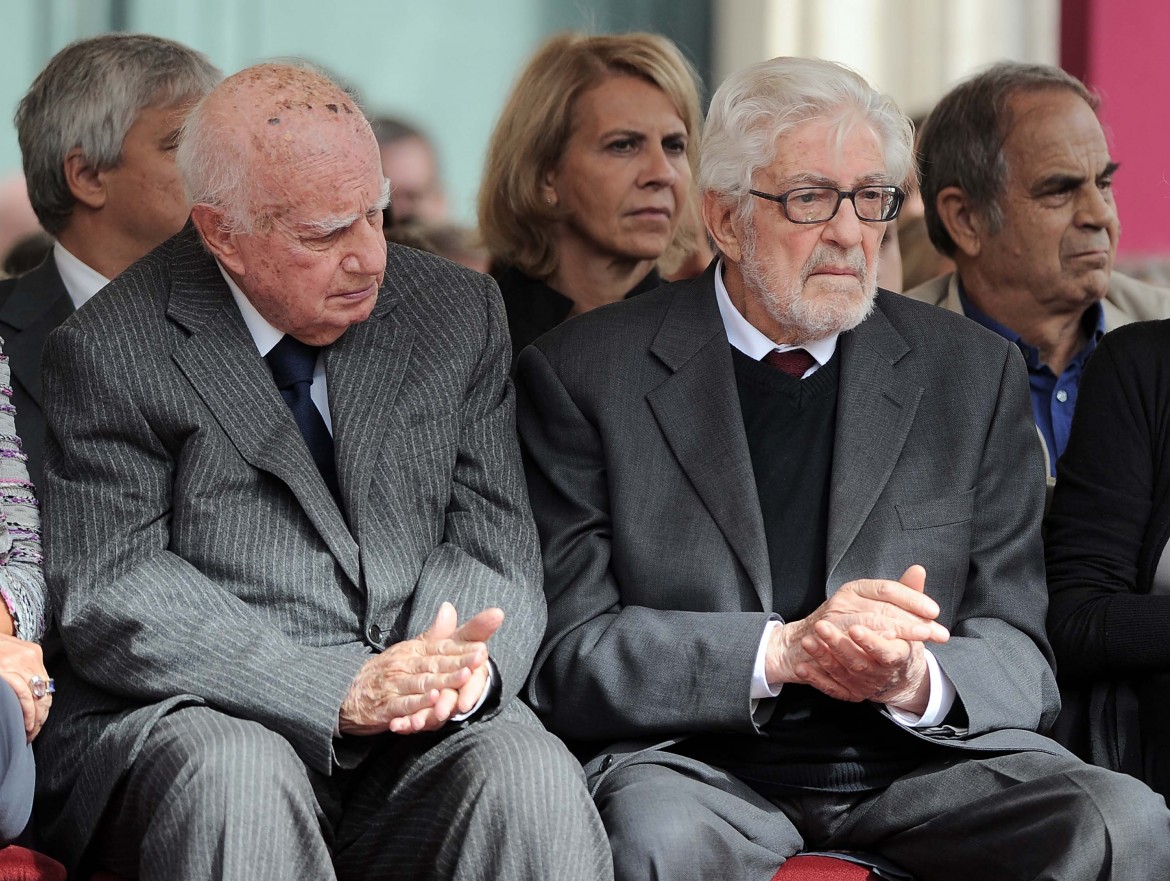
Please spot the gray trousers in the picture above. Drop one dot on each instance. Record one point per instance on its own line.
(17, 772)
(215, 797)
(1024, 816)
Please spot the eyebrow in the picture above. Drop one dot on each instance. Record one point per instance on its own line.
(632, 134)
(1061, 179)
(876, 179)
(329, 225)
(623, 133)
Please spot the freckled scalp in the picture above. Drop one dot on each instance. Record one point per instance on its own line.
(263, 125)
(282, 97)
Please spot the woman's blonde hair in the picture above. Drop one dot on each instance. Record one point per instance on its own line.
(516, 223)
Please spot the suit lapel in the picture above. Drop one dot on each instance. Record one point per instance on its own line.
(365, 370)
(697, 408)
(39, 303)
(220, 361)
(875, 409)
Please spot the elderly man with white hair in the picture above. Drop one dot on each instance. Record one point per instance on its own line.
(791, 533)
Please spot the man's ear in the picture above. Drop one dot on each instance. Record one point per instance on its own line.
(85, 182)
(965, 225)
(719, 215)
(221, 243)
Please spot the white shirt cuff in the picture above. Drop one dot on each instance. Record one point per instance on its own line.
(761, 688)
(484, 695)
(942, 698)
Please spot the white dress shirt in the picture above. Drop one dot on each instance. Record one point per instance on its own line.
(81, 280)
(745, 337)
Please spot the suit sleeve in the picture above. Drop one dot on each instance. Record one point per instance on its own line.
(998, 656)
(489, 555)
(136, 618)
(611, 668)
(22, 580)
(1103, 531)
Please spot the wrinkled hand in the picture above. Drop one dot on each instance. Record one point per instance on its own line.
(863, 643)
(418, 684)
(19, 662)
(463, 699)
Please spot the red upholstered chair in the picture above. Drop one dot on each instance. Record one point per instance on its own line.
(802, 867)
(22, 864)
(823, 867)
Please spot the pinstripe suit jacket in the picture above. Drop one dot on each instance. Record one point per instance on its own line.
(196, 555)
(656, 561)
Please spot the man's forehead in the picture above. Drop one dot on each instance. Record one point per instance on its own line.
(823, 152)
(1054, 131)
(1051, 116)
(303, 199)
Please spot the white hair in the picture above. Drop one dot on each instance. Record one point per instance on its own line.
(757, 105)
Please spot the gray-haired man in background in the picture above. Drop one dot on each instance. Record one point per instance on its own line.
(97, 130)
(1017, 181)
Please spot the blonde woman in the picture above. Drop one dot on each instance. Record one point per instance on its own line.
(588, 177)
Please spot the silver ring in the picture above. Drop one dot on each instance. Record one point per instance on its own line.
(40, 686)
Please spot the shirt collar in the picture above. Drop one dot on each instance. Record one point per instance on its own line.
(81, 280)
(748, 339)
(1093, 321)
(264, 335)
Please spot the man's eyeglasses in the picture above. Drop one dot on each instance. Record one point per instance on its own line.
(820, 204)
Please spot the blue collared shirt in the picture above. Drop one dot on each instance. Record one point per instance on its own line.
(1053, 397)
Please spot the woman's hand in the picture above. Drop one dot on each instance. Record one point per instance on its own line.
(20, 661)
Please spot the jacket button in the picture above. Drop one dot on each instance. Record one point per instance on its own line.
(374, 634)
(606, 762)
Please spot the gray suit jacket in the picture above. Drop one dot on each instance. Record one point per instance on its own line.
(656, 565)
(196, 556)
(31, 306)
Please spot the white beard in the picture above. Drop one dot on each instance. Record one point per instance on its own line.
(806, 319)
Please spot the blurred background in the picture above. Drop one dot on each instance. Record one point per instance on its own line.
(446, 65)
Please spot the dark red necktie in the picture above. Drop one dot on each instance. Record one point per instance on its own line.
(794, 362)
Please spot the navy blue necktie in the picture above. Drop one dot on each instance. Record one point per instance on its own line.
(292, 364)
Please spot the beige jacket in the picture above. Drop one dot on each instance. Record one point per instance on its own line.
(1128, 300)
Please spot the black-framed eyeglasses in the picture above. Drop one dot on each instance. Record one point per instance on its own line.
(820, 204)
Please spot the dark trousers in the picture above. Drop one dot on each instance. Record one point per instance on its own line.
(1029, 816)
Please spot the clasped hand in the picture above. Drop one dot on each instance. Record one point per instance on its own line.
(418, 684)
(866, 642)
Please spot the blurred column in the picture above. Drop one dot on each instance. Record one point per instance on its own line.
(913, 49)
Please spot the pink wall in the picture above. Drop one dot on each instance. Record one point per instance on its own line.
(1120, 50)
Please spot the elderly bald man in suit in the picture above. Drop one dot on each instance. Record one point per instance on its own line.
(298, 580)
